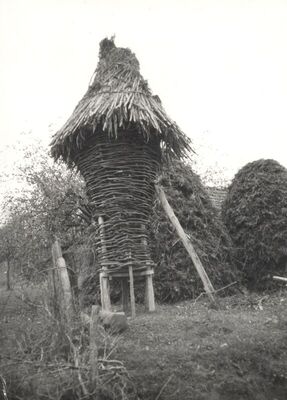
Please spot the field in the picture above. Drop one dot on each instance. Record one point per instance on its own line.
(183, 351)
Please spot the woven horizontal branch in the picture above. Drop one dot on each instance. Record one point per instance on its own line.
(120, 177)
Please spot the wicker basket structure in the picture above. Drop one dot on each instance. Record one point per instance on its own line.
(120, 177)
(116, 138)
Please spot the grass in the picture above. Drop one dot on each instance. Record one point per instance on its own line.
(194, 352)
(182, 351)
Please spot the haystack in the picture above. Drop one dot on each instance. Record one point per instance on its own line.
(255, 213)
(116, 137)
(176, 278)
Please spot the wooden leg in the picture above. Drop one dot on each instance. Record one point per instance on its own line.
(149, 294)
(125, 294)
(132, 292)
(105, 292)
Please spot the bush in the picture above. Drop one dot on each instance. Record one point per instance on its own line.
(255, 214)
(175, 276)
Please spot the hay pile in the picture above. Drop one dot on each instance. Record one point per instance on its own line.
(175, 276)
(255, 213)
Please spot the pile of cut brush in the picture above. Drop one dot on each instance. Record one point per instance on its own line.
(175, 276)
(255, 214)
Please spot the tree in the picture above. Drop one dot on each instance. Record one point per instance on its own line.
(47, 205)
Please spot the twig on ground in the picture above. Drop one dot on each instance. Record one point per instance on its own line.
(163, 387)
(225, 287)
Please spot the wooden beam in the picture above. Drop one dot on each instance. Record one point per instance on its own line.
(187, 244)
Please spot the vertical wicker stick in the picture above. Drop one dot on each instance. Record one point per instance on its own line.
(93, 343)
(104, 280)
(132, 292)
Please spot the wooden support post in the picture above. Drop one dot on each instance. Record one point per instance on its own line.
(149, 294)
(187, 244)
(125, 294)
(104, 280)
(105, 291)
(132, 292)
(93, 344)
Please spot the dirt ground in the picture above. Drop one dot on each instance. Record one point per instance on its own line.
(188, 350)
(191, 351)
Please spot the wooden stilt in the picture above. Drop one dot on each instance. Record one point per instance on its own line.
(125, 294)
(149, 294)
(104, 280)
(132, 292)
(105, 292)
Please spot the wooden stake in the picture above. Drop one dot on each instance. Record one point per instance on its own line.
(132, 292)
(187, 244)
(62, 283)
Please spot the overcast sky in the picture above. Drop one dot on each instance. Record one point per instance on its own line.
(219, 67)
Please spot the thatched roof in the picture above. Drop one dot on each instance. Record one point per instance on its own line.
(118, 98)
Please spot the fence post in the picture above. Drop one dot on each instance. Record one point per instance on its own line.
(61, 285)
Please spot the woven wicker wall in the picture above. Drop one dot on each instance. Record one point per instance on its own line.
(120, 177)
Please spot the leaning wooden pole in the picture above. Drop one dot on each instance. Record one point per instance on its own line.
(187, 244)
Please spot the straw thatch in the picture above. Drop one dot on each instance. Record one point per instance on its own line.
(118, 99)
(255, 213)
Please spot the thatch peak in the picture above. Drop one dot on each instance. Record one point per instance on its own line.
(106, 45)
(118, 99)
(112, 54)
